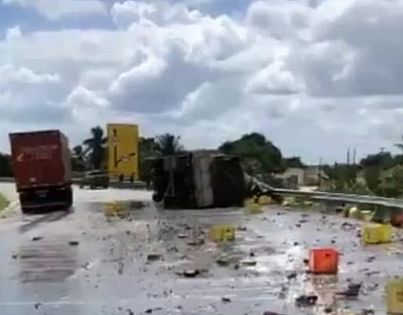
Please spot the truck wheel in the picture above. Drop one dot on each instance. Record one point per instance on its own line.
(25, 210)
(69, 198)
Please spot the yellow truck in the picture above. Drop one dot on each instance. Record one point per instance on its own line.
(123, 151)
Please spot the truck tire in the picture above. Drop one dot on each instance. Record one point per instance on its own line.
(69, 198)
(25, 210)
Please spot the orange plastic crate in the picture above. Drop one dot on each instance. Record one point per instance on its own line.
(323, 261)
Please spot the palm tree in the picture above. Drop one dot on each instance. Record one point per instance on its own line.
(78, 159)
(168, 144)
(78, 152)
(95, 147)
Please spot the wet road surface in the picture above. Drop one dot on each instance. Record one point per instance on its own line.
(83, 262)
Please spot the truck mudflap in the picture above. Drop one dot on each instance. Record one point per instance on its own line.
(46, 199)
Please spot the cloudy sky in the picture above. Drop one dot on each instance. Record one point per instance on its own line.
(315, 76)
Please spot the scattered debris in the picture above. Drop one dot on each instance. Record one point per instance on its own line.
(292, 275)
(154, 257)
(367, 312)
(150, 310)
(222, 261)
(196, 242)
(86, 265)
(328, 310)
(249, 262)
(370, 259)
(37, 238)
(346, 226)
(372, 287)
(129, 311)
(181, 235)
(191, 273)
(352, 291)
(306, 300)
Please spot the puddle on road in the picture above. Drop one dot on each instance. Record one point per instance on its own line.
(47, 262)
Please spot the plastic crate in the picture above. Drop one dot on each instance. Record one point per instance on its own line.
(376, 233)
(222, 233)
(323, 261)
(394, 297)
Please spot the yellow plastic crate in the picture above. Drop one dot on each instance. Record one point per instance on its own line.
(113, 209)
(222, 233)
(253, 208)
(366, 215)
(377, 233)
(265, 200)
(394, 296)
(355, 213)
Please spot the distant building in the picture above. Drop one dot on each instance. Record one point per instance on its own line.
(293, 177)
(314, 175)
(308, 176)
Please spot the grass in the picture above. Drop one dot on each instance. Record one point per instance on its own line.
(3, 202)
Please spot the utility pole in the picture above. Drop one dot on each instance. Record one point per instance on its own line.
(354, 156)
(348, 156)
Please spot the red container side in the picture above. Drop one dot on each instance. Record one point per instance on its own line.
(40, 159)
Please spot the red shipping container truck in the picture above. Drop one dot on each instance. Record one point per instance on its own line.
(42, 169)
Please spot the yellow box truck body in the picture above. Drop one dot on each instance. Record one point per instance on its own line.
(123, 151)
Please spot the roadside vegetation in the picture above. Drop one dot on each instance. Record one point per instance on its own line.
(3, 202)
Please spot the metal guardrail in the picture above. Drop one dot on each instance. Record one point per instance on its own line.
(340, 197)
(327, 196)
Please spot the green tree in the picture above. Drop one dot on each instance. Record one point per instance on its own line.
(258, 155)
(78, 162)
(294, 162)
(372, 178)
(5, 165)
(168, 144)
(147, 150)
(382, 159)
(400, 145)
(78, 151)
(95, 147)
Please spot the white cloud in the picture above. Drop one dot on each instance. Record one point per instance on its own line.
(160, 13)
(274, 79)
(316, 74)
(13, 32)
(57, 9)
(11, 74)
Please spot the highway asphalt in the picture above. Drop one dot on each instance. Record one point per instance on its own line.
(153, 261)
